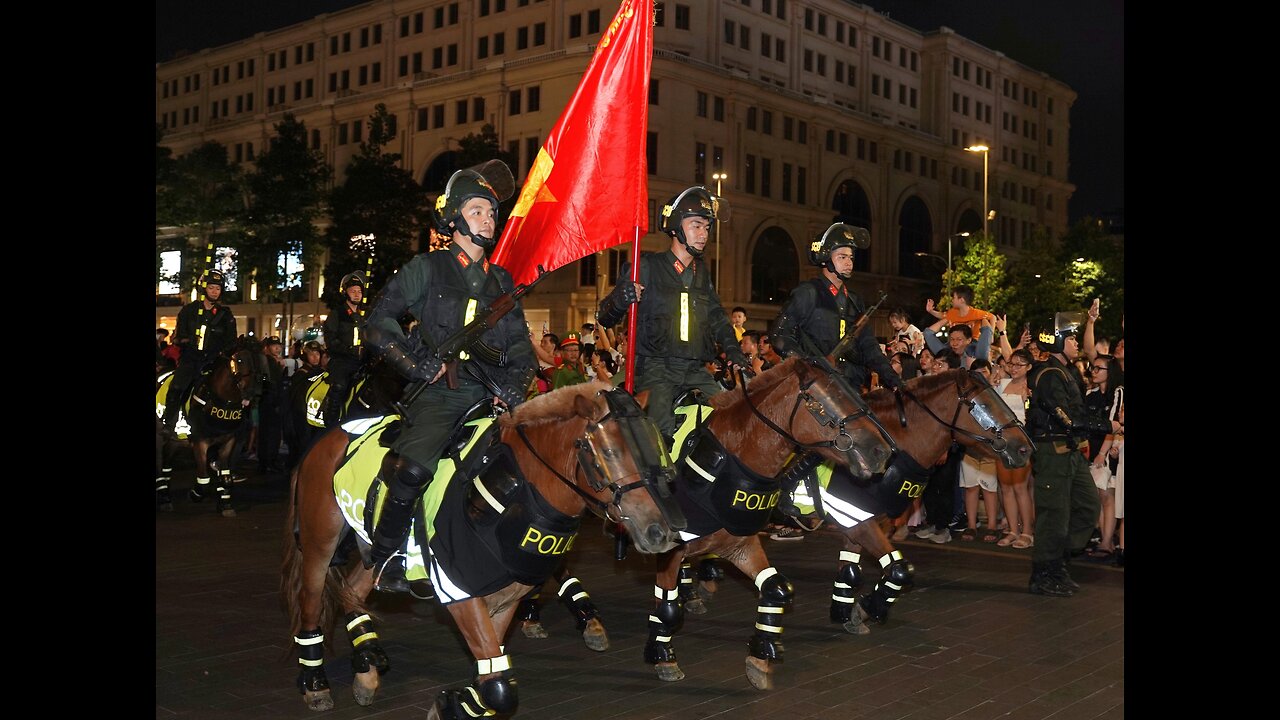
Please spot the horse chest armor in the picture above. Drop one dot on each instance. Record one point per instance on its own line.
(212, 415)
(720, 488)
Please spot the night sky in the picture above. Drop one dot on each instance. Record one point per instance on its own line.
(1078, 42)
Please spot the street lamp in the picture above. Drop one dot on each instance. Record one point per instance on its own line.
(986, 151)
(719, 177)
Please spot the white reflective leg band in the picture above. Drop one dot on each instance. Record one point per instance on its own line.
(653, 619)
(768, 609)
(307, 642)
(662, 594)
(841, 598)
(684, 316)
(844, 512)
(889, 557)
(765, 574)
(852, 557)
(202, 481)
(493, 665)
(698, 469)
(565, 586)
(363, 618)
(769, 628)
(484, 492)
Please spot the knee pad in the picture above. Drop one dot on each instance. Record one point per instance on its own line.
(851, 575)
(709, 569)
(775, 588)
(408, 479)
(899, 573)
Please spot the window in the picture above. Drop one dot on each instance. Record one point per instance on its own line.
(437, 58)
(800, 185)
(701, 104)
(786, 182)
(593, 21)
(499, 43)
(575, 25)
(535, 98)
(751, 118)
(744, 37)
(423, 120)
(653, 91)
(718, 110)
(766, 44)
(779, 50)
(513, 102)
(844, 143)
(808, 60)
(766, 123)
(452, 52)
(460, 112)
(364, 37)
(363, 75)
(651, 152)
(682, 17)
(342, 134)
(522, 38)
(315, 139)
(439, 17)
(403, 66)
(357, 130)
(477, 109)
(700, 163)
(787, 127)
(749, 173)
(346, 42)
(730, 29)
(482, 48)
(404, 26)
(540, 34)
(532, 145)
(437, 115)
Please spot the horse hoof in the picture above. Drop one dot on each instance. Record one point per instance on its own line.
(319, 700)
(759, 673)
(695, 606)
(856, 627)
(669, 672)
(533, 629)
(365, 686)
(166, 507)
(594, 635)
(706, 591)
(228, 511)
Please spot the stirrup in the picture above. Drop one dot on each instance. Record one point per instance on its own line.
(390, 575)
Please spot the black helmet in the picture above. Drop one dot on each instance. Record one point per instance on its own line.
(492, 181)
(213, 277)
(837, 236)
(1050, 340)
(352, 278)
(312, 345)
(1053, 336)
(693, 202)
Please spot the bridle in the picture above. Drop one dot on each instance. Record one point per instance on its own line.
(822, 407)
(639, 436)
(980, 412)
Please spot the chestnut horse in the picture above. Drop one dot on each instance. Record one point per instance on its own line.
(218, 404)
(936, 410)
(728, 484)
(582, 446)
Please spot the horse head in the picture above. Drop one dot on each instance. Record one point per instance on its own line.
(836, 424)
(239, 375)
(964, 402)
(618, 450)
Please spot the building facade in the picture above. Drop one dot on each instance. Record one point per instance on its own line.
(813, 110)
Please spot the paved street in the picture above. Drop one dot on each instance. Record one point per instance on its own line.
(968, 642)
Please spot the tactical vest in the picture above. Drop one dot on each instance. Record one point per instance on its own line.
(1042, 420)
(218, 329)
(824, 327)
(671, 319)
(342, 335)
(449, 303)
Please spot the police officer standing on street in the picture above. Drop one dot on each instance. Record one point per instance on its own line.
(444, 290)
(205, 329)
(1066, 499)
(344, 341)
(680, 319)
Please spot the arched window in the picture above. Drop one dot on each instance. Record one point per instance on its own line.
(852, 207)
(970, 222)
(774, 269)
(913, 237)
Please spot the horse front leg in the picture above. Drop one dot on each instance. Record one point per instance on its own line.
(204, 480)
(164, 470)
(844, 592)
(896, 573)
(585, 613)
(493, 691)
(667, 616)
(222, 469)
(775, 597)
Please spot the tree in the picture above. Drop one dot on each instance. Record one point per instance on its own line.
(1037, 283)
(198, 192)
(982, 267)
(1094, 263)
(379, 198)
(286, 194)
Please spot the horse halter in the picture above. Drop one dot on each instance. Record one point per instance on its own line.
(822, 406)
(599, 452)
(979, 411)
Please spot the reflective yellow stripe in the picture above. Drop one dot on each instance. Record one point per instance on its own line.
(684, 316)
(841, 327)
(200, 337)
(467, 318)
(355, 336)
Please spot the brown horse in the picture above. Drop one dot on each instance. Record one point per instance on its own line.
(936, 410)
(587, 445)
(217, 406)
(728, 484)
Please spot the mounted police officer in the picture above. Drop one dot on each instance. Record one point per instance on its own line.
(821, 311)
(342, 335)
(205, 329)
(444, 290)
(1066, 499)
(680, 319)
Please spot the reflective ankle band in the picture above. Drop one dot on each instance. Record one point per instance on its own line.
(310, 648)
(665, 594)
(493, 665)
(765, 574)
(889, 557)
(852, 557)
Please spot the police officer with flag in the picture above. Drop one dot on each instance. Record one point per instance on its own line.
(344, 341)
(680, 319)
(1066, 499)
(205, 328)
(444, 289)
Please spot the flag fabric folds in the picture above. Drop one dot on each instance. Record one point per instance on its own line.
(587, 189)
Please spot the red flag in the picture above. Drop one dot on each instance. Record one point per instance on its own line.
(587, 190)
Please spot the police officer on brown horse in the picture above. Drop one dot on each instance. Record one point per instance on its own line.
(444, 290)
(344, 340)
(205, 329)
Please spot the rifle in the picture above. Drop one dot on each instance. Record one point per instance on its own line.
(850, 337)
(467, 339)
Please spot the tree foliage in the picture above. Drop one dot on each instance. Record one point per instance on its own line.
(379, 198)
(981, 266)
(286, 195)
(199, 191)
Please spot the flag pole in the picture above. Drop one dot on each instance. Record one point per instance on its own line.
(632, 311)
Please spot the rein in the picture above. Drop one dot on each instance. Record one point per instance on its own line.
(581, 445)
(818, 415)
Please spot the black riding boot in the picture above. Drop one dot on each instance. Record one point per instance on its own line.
(334, 405)
(1044, 582)
(1060, 572)
(407, 483)
(791, 477)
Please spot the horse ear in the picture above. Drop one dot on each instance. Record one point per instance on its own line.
(642, 399)
(584, 407)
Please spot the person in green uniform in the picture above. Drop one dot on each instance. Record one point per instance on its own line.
(571, 371)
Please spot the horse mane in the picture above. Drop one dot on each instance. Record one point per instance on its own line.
(758, 384)
(555, 406)
(882, 400)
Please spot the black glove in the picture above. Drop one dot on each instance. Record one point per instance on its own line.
(893, 381)
(735, 355)
(624, 294)
(410, 367)
(425, 370)
(614, 307)
(511, 395)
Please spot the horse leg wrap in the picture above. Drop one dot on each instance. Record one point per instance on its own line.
(776, 594)
(665, 621)
(162, 486)
(311, 677)
(201, 490)
(407, 484)
(895, 577)
(529, 608)
(844, 590)
(368, 651)
(494, 696)
(578, 602)
(709, 569)
(686, 576)
(223, 488)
